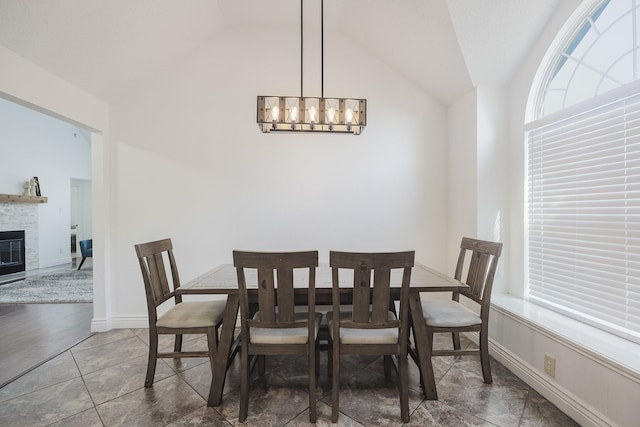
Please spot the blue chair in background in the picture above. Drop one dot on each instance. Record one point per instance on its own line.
(86, 247)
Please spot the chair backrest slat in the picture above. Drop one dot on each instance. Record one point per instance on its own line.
(286, 300)
(381, 295)
(361, 293)
(159, 275)
(266, 295)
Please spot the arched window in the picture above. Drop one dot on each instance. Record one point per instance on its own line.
(583, 213)
(600, 56)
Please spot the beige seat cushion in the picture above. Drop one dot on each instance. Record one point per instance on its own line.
(283, 335)
(447, 314)
(364, 336)
(196, 314)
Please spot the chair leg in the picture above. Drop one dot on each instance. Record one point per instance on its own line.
(212, 334)
(313, 363)
(387, 365)
(484, 356)
(416, 357)
(153, 358)
(335, 391)
(317, 351)
(455, 337)
(244, 383)
(177, 347)
(330, 358)
(403, 380)
(82, 262)
(262, 365)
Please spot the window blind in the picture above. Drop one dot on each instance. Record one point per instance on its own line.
(584, 215)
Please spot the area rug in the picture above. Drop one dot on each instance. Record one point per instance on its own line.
(65, 286)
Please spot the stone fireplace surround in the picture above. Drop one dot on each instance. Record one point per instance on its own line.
(23, 216)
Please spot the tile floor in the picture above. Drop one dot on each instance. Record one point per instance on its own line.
(99, 382)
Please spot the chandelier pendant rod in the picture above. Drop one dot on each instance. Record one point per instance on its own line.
(321, 48)
(301, 50)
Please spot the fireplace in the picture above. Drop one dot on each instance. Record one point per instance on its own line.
(12, 255)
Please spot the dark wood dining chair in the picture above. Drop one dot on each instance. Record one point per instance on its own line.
(480, 259)
(371, 327)
(191, 317)
(276, 327)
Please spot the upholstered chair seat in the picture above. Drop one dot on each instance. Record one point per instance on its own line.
(201, 314)
(446, 314)
(363, 336)
(283, 335)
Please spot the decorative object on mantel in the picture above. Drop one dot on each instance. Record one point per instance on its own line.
(300, 114)
(32, 187)
(13, 198)
(37, 187)
(27, 188)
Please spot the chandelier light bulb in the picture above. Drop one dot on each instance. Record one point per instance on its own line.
(349, 115)
(331, 113)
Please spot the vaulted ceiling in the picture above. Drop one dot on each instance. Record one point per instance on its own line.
(447, 47)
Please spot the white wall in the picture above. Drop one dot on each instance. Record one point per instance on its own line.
(493, 174)
(191, 163)
(462, 168)
(33, 144)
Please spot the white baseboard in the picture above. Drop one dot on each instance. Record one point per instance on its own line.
(566, 401)
(100, 325)
(53, 262)
(123, 322)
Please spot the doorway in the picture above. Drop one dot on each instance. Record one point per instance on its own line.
(80, 211)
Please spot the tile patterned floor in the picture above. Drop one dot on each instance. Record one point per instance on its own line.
(99, 382)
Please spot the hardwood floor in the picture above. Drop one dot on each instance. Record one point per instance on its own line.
(31, 334)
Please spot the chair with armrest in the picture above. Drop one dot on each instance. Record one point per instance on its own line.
(452, 316)
(276, 327)
(371, 327)
(86, 249)
(192, 317)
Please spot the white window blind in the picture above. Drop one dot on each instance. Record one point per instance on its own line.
(584, 215)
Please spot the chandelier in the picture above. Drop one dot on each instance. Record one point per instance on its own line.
(311, 114)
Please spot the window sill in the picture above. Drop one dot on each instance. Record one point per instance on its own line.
(619, 354)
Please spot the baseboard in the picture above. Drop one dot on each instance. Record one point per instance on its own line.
(54, 262)
(566, 401)
(122, 322)
(130, 322)
(100, 325)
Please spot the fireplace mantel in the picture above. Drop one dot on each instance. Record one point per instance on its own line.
(11, 198)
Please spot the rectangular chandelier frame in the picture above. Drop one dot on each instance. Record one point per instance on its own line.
(306, 114)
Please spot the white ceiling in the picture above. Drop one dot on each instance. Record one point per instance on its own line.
(446, 47)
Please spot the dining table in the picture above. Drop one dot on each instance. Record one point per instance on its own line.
(222, 280)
